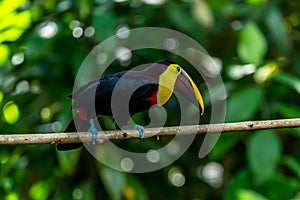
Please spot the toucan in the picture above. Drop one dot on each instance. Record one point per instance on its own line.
(145, 89)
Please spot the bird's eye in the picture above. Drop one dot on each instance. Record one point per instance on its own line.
(178, 69)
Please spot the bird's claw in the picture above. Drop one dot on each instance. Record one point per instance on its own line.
(94, 131)
(140, 128)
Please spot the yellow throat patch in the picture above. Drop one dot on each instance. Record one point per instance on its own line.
(166, 83)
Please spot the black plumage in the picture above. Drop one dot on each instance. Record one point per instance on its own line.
(139, 91)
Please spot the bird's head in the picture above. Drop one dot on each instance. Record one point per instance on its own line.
(173, 77)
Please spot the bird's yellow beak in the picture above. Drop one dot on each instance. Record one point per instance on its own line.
(186, 86)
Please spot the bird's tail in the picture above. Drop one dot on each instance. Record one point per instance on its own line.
(69, 146)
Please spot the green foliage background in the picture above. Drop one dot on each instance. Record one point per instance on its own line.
(258, 44)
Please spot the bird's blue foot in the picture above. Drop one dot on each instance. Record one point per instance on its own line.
(94, 131)
(140, 128)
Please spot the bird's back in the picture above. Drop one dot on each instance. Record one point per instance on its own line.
(127, 89)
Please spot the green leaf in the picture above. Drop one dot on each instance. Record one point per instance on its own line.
(85, 8)
(263, 155)
(11, 112)
(39, 190)
(256, 2)
(134, 189)
(266, 72)
(280, 187)
(105, 24)
(114, 181)
(293, 164)
(1, 96)
(240, 180)
(289, 111)
(4, 54)
(85, 191)
(35, 46)
(252, 46)
(245, 194)
(13, 23)
(202, 13)
(244, 104)
(68, 160)
(12, 196)
(288, 80)
(224, 144)
(276, 25)
(180, 17)
(7, 6)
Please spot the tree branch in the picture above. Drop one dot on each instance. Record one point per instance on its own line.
(59, 138)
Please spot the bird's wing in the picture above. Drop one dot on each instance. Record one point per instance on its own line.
(98, 88)
(83, 88)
